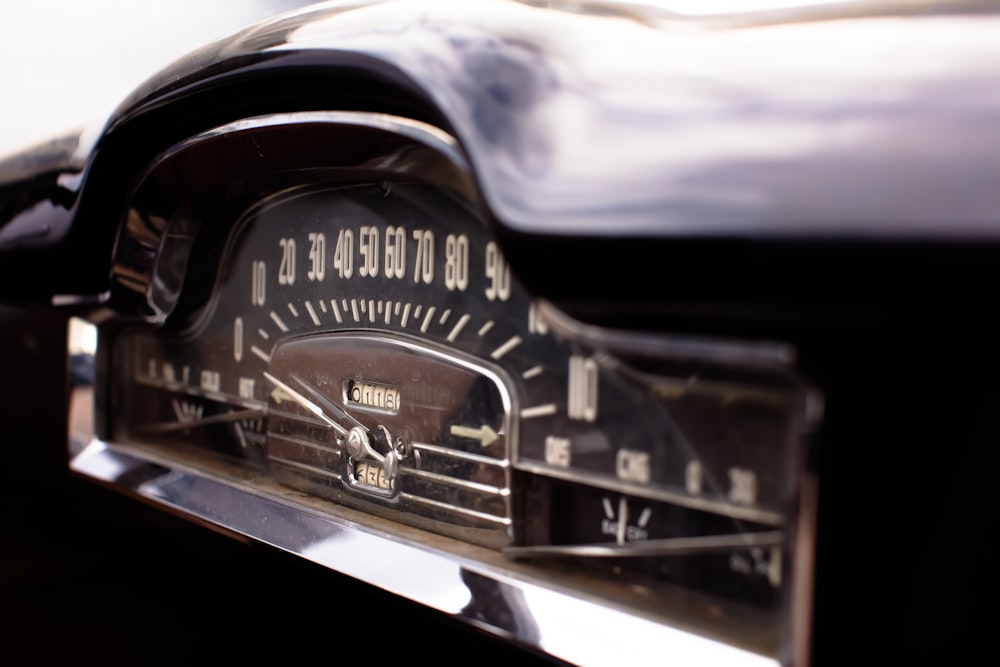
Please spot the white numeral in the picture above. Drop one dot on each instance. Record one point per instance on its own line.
(343, 255)
(368, 266)
(497, 273)
(456, 268)
(259, 282)
(317, 256)
(395, 252)
(423, 265)
(582, 399)
(286, 271)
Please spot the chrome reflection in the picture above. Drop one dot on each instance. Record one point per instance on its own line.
(81, 340)
(505, 603)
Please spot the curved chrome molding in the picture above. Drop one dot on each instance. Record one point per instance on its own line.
(414, 130)
(147, 284)
(507, 601)
(582, 631)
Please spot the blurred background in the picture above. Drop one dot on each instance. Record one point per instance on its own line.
(67, 63)
(64, 63)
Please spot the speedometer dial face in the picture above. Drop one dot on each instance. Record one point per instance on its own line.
(369, 345)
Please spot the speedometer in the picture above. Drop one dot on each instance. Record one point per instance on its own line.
(378, 330)
(354, 334)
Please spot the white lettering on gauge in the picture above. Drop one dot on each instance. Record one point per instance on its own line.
(343, 254)
(186, 411)
(395, 252)
(211, 380)
(423, 265)
(368, 266)
(238, 339)
(456, 267)
(633, 466)
(618, 526)
(582, 399)
(497, 274)
(693, 477)
(756, 563)
(317, 256)
(246, 387)
(286, 270)
(258, 283)
(558, 451)
(742, 486)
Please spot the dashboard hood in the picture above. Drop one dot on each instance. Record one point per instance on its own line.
(774, 124)
(844, 122)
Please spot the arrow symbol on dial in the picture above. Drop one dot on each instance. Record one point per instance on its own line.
(280, 396)
(484, 434)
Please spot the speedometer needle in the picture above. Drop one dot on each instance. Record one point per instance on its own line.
(359, 438)
(306, 403)
(337, 410)
(222, 418)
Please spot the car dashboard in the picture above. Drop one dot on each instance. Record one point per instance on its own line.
(585, 334)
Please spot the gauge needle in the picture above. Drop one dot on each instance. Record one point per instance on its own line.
(222, 418)
(305, 402)
(359, 436)
(671, 546)
(327, 403)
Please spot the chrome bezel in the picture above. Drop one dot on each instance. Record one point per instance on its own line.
(333, 536)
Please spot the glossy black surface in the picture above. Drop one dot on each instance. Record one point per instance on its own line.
(775, 126)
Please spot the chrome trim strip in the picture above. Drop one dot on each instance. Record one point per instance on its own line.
(457, 509)
(315, 470)
(722, 508)
(461, 455)
(457, 482)
(301, 443)
(415, 130)
(533, 611)
(670, 546)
